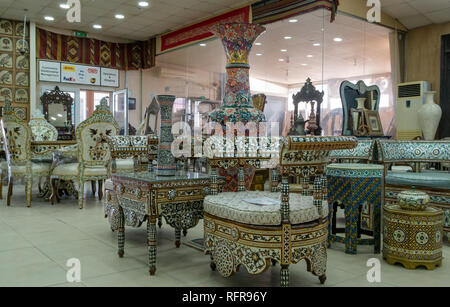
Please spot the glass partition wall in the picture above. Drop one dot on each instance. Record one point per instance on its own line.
(281, 60)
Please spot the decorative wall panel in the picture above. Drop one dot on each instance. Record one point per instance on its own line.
(15, 66)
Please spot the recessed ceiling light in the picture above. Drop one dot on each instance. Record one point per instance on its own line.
(283, 50)
(293, 20)
(309, 56)
(258, 44)
(259, 54)
(64, 6)
(304, 64)
(97, 26)
(316, 44)
(203, 44)
(143, 3)
(337, 39)
(119, 16)
(287, 37)
(49, 18)
(281, 60)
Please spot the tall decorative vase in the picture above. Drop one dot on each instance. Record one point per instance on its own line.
(166, 161)
(429, 116)
(360, 101)
(237, 39)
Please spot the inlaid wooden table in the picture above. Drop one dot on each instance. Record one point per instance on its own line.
(55, 152)
(144, 196)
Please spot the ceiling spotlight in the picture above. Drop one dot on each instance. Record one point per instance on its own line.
(293, 20)
(203, 44)
(119, 16)
(281, 60)
(283, 50)
(259, 54)
(143, 3)
(316, 44)
(64, 6)
(258, 44)
(97, 26)
(287, 37)
(309, 56)
(304, 64)
(337, 39)
(49, 18)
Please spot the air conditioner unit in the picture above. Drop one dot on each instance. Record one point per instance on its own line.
(410, 97)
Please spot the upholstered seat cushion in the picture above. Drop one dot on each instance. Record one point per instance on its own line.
(36, 168)
(429, 179)
(232, 206)
(109, 185)
(71, 169)
(122, 164)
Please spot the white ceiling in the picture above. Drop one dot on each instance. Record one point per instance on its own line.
(417, 13)
(139, 23)
(364, 50)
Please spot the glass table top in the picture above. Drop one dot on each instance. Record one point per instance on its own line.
(152, 178)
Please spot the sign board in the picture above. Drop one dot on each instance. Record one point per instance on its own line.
(80, 34)
(109, 77)
(49, 71)
(80, 74)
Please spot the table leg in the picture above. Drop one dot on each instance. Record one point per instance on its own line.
(159, 221)
(351, 225)
(121, 234)
(177, 236)
(377, 226)
(151, 237)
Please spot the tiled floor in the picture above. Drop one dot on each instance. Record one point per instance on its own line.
(36, 242)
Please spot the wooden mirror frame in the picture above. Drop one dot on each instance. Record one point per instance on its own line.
(56, 96)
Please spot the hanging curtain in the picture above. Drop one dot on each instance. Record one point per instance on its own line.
(78, 50)
(270, 11)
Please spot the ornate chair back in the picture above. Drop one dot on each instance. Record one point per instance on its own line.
(17, 142)
(41, 129)
(362, 153)
(92, 136)
(138, 147)
(306, 157)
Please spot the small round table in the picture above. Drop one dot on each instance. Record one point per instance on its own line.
(412, 238)
(359, 188)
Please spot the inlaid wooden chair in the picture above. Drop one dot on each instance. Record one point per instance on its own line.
(17, 145)
(254, 228)
(142, 150)
(94, 156)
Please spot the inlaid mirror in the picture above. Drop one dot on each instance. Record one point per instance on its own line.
(350, 92)
(57, 109)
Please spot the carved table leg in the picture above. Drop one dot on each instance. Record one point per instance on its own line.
(151, 237)
(351, 224)
(93, 186)
(284, 274)
(100, 189)
(159, 221)
(121, 234)
(177, 236)
(10, 190)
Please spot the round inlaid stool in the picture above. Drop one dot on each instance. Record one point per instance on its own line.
(412, 238)
(360, 189)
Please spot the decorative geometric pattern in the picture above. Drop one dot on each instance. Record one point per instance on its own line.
(14, 67)
(131, 56)
(412, 238)
(434, 183)
(354, 187)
